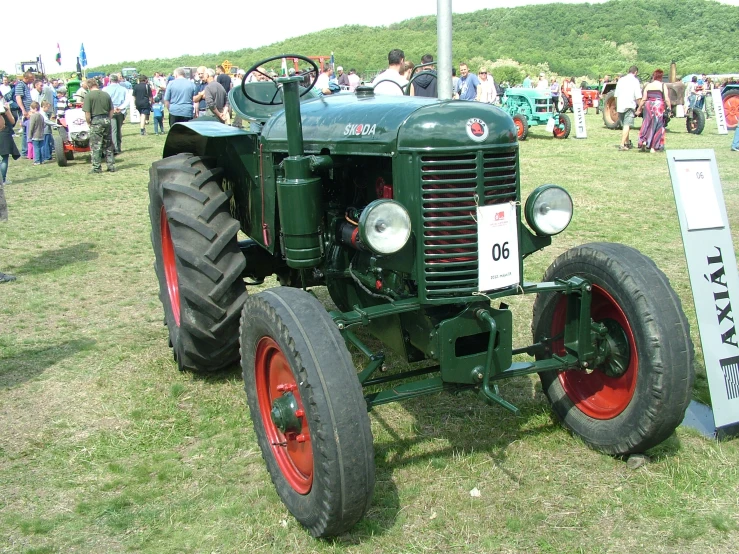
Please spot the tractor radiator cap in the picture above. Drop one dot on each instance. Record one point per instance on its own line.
(363, 91)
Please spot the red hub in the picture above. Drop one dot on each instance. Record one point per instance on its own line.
(596, 394)
(731, 110)
(519, 128)
(170, 266)
(292, 448)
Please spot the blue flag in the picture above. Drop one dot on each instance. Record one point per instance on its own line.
(83, 56)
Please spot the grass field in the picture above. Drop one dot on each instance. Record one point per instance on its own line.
(106, 447)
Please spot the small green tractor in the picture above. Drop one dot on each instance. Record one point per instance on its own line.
(529, 107)
(407, 211)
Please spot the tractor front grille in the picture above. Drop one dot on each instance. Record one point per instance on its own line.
(452, 186)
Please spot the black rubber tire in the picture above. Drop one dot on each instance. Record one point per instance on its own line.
(661, 336)
(563, 104)
(522, 126)
(729, 99)
(563, 133)
(343, 474)
(186, 194)
(696, 123)
(61, 158)
(610, 116)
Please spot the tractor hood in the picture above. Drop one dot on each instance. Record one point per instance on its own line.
(351, 124)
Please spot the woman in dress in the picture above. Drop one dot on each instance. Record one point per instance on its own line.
(7, 145)
(653, 103)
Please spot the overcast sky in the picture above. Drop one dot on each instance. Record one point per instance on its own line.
(179, 28)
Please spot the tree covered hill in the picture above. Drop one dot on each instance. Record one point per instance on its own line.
(567, 39)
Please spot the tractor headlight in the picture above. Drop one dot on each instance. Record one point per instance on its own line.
(384, 226)
(548, 210)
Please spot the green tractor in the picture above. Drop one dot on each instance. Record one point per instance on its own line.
(530, 107)
(408, 212)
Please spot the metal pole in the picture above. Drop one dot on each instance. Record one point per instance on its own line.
(444, 48)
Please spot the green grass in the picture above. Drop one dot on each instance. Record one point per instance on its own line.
(106, 447)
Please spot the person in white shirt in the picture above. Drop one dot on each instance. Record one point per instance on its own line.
(627, 93)
(395, 61)
(354, 80)
(486, 91)
(543, 84)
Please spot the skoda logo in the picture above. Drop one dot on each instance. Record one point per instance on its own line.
(477, 129)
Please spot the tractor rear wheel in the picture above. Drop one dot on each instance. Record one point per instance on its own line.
(197, 261)
(59, 154)
(695, 122)
(522, 126)
(563, 103)
(562, 127)
(307, 408)
(638, 396)
(731, 108)
(610, 115)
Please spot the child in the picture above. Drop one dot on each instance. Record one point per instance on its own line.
(36, 133)
(61, 102)
(46, 112)
(158, 110)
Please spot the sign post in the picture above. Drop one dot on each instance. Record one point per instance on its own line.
(718, 110)
(714, 279)
(579, 112)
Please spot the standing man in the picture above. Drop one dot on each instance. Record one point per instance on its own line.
(628, 93)
(119, 96)
(342, 78)
(23, 99)
(486, 92)
(200, 83)
(395, 62)
(179, 96)
(467, 84)
(98, 108)
(354, 80)
(215, 96)
(543, 84)
(142, 100)
(425, 83)
(527, 81)
(79, 96)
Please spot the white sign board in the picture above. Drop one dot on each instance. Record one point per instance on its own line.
(135, 115)
(718, 110)
(497, 232)
(579, 112)
(713, 273)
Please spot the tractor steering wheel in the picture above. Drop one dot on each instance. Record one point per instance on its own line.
(273, 101)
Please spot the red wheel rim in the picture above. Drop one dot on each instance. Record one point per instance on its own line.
(519, 127)
(731, 110)
(170, 267)
(596, 394)
(559, 129)
(292, 450)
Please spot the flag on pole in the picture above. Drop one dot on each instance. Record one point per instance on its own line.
(58, 54)
(284, 67)
(83, 56)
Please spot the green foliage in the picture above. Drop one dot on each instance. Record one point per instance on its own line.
(509, 73)
(573, 39)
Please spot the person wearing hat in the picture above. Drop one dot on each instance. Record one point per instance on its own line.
(342, 78)
(543, 84)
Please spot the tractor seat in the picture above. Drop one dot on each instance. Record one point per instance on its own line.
(264, 91)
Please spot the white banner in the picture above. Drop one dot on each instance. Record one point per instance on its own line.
(497, 232)
(579, 112)
(135, 116)
(718, 110)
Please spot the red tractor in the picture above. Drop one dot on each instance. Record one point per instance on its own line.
(73, 136)
(590, 99)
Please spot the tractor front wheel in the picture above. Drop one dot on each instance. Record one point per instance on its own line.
(695, 122)
(563, 103)
(562, 127)
(307, 408)
(61, 158)
(610, 115)
(638, 396)
(522, 126)
(197, 261)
